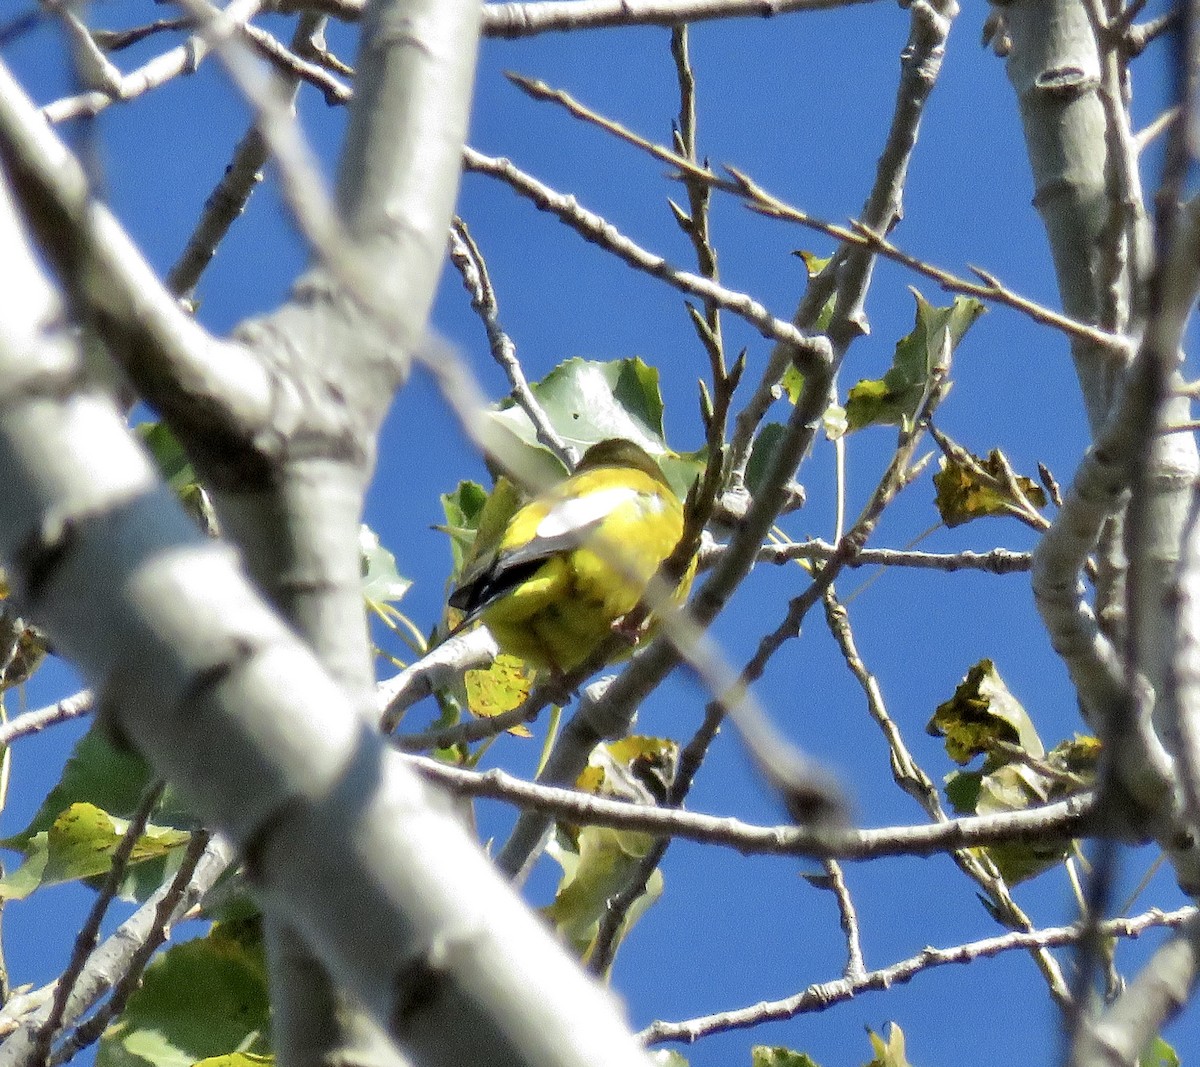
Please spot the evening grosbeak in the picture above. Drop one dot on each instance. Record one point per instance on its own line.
(572, 563)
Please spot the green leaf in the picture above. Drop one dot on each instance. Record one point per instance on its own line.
(598, 862)
(889, 1053)
(762, 452)
(177, 471)
(79, 844)
(813, 265)
(112, 779)
(168, 454)
(1007, 784)
(1159, 1054)
(599, 865)
(778, 1056)
(1080, 755)
(462, 509)
(1016, 787)
(962, 790)
(236, 1059)
(381, 581)
(792, 383)
(498, 688)
(895, 398)
(588, 401)
(982, 712)
(198, 1000)
(482, 527)
(976, 487)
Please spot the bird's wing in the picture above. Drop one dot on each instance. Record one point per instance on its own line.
(566, 526)
(574, 518)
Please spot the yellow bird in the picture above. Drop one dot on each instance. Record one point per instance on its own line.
(572, 563)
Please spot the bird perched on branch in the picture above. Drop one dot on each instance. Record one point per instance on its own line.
(575, 561)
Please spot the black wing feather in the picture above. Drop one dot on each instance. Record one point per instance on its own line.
(509, 569)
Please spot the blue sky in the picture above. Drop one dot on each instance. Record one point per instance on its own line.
(800, 103)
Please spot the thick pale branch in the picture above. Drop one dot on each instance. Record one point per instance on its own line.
(997, 561)
(145, 327)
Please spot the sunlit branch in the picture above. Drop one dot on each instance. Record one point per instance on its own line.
(439, 668)
(848, 916)
(529, 19)
(996, 561)
(182, 59)
(290, 62)
(34, 722)
(1063, 819)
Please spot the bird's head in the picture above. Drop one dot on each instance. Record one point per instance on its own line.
(621, 452)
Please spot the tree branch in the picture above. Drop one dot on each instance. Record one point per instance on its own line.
(820, 997)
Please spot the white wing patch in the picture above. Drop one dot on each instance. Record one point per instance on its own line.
(581, 512)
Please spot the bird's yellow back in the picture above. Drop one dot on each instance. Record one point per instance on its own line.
(573, 562)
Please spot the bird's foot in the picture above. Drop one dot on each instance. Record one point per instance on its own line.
(630, 630)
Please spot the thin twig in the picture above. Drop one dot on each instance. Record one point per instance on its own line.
(819, 997)
(1149, 133)
(855, 965)
(295, 66)
(856, 233)
(1138, 36)
(468, 259)
(600, 231)
(996, 561)
(228, 200)
(89, 1031)
(182, 59)
(88, 936)
(988, 288)
(917, 784)
(116, 40)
